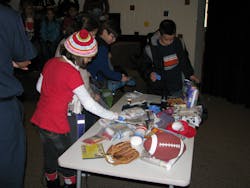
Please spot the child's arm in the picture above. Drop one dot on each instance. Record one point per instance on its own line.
(91, 105)
(103, 65)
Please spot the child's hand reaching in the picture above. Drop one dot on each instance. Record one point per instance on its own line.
(128, 80)
(154, 76)
(97, 97)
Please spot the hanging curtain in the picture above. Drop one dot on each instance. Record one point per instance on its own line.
(226, 62)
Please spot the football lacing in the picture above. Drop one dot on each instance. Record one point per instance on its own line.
(169, 145)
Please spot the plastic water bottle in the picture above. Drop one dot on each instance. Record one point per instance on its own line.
(192, 97)
(163, 102)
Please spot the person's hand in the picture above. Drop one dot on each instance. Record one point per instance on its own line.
(109, 55)
(97, 97)
(153, 76)
(122, 118)
(124, 78)
(195, 79)
(21, 65)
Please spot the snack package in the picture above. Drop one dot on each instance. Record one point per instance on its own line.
(134, 94)
(163, 119)
(119, 130)
(191, 115)
(104, 134)
(137, 115)
(134, 113)
(92, 151)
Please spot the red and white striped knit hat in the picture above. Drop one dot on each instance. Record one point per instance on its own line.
(81, 44)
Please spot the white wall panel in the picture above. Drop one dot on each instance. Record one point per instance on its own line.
(149, 13)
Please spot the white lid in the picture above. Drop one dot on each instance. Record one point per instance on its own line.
(135, 141)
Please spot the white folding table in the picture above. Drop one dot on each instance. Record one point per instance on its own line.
(179, 175)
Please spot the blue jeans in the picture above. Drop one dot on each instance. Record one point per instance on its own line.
(114, 85)
(55, 145)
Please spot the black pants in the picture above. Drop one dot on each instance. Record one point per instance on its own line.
(159, 88)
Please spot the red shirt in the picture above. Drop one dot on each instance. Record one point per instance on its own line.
(59, 81)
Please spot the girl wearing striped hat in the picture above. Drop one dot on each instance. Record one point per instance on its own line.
(58, 82)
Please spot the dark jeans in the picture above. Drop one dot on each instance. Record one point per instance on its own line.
(12, 144)
(53, 146)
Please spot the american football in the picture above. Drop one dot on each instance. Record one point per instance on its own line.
(164, 146)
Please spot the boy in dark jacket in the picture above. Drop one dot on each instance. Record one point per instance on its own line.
(165, 61)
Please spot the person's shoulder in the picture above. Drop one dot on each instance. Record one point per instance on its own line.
(177, 40)
(100, 41)
(102, 49)
(155, 38)
(8, 11)
(10, 19)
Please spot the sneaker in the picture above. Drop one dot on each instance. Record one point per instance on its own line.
(53, 184)
(69, 186)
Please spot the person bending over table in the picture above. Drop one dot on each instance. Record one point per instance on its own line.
(58, 82)
(101, 69)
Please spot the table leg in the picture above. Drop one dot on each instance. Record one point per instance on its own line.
(78, 179)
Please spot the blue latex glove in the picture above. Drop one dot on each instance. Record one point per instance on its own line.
(155, 109)
(121, 119)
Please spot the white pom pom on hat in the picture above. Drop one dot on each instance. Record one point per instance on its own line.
(81, 44)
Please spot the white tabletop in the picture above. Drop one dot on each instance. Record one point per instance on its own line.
(179, 175)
